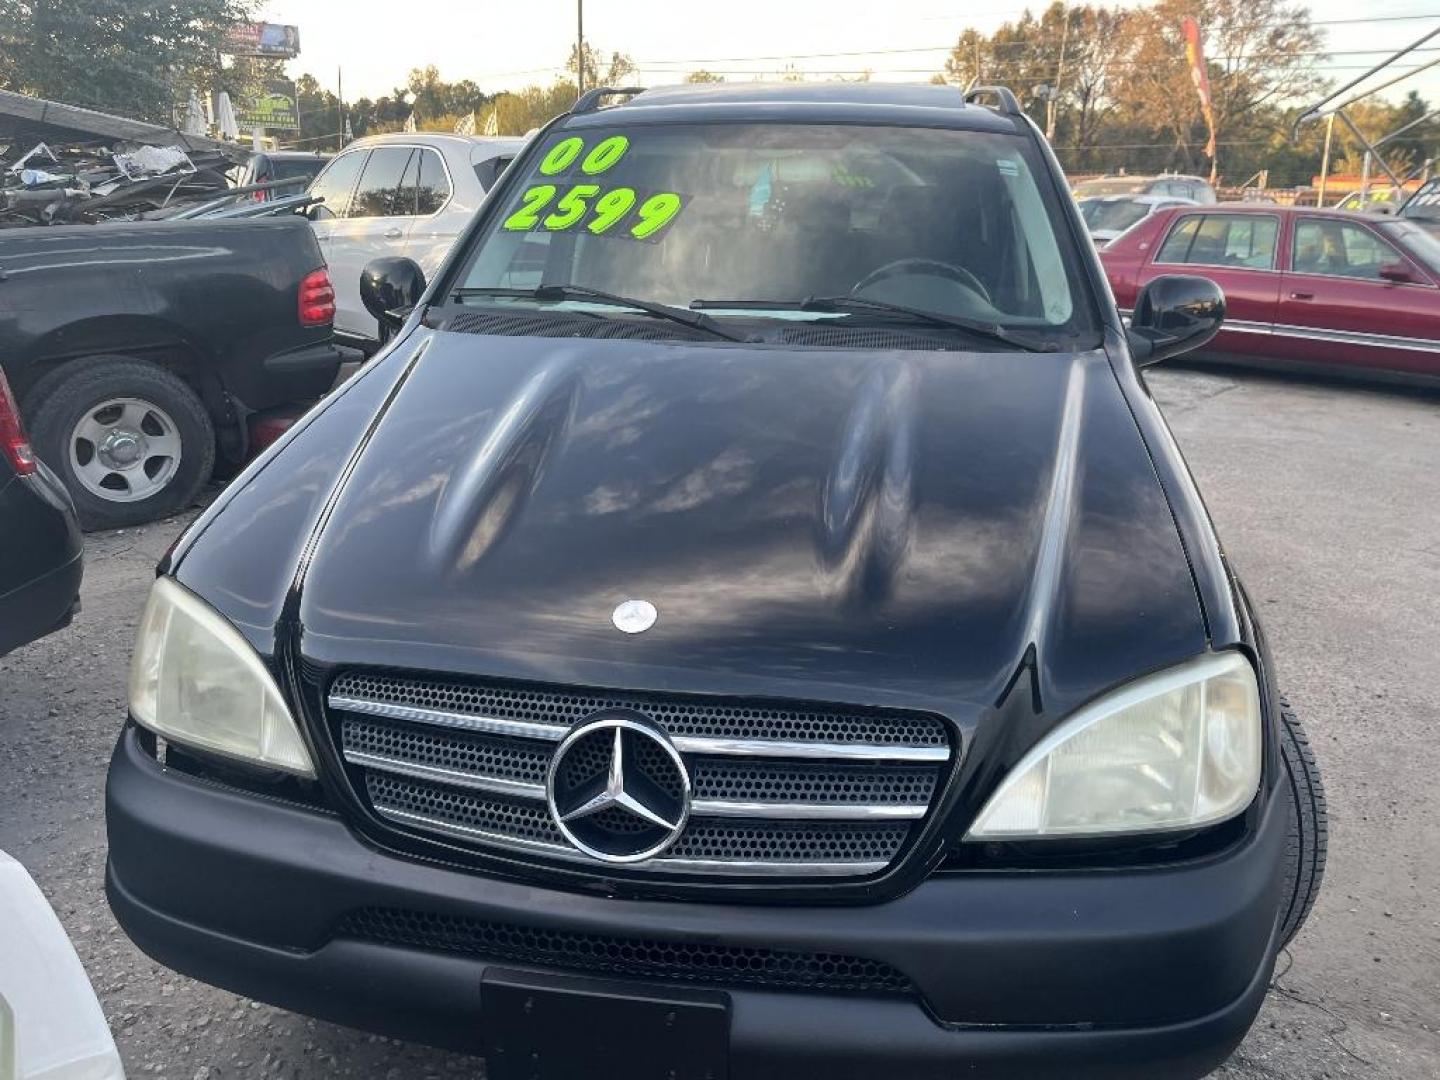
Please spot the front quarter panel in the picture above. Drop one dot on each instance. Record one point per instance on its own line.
(245, 565)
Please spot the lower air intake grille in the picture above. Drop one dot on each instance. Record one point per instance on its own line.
(637, 957)
(776, 790)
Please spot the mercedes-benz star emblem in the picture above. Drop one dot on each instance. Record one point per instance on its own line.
(617, 788)
(634, 616)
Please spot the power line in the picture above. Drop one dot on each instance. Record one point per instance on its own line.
(1007, 44)
(1120, 62)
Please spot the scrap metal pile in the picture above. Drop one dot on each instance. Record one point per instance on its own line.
(47, 184)
(62, 165)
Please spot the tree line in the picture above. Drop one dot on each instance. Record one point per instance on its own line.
(1112, 89)
(1109, 85)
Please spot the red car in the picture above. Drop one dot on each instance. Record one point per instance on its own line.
(1304, 288)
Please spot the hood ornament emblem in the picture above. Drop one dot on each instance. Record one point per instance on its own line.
(617, 788)
(634, 616)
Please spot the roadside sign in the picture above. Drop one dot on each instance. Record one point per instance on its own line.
(274, 108)
(262, 39)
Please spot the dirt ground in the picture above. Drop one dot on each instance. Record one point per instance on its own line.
(1328, 499)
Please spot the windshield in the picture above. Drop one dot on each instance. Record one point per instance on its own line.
(1424, 205)
(1112, 215)
(1419, 243)
(747, 221)
(1124, 185)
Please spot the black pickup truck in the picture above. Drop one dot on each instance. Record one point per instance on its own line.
(140, 353)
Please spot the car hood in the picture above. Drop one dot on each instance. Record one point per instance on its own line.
(884, 527)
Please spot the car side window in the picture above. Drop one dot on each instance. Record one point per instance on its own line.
(1245, 241)
(489, 170)
(1340, 249)
(432, 189)
(335, 184)
(379, 191)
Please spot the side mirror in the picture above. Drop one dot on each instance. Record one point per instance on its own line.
(1174, 314)
(390, 288)
(1397, 273)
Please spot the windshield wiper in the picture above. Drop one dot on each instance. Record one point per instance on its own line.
(697, 320)
(846, 304)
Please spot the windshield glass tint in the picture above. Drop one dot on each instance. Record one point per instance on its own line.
(1420, 243)
(1122, 186)
(952, 222)
(1425, 203)
(1112, 215)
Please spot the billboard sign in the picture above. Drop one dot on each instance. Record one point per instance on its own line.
(274, 40)
(275, 107)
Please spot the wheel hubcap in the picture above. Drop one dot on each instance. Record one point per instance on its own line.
(125, 449)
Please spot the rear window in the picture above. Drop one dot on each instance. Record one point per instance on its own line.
(286, 170)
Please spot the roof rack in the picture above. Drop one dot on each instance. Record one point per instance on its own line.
(590, 100)
(1009, 104)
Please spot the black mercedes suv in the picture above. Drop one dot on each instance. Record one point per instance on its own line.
(751, 621)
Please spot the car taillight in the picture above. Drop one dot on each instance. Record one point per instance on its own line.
(317, 299)
(13, 442)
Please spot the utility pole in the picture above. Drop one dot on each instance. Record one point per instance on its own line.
(580, 44)
(1052, 107)
(339, 108)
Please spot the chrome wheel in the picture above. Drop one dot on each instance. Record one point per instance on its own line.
(124, 449)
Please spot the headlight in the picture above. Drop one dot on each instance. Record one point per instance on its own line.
(1169, 751)
(195, 680)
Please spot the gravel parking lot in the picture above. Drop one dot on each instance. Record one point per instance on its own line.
(1328, 498)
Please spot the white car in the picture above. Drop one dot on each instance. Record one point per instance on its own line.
(51, 1026)
(1107, 216)
(408, 194)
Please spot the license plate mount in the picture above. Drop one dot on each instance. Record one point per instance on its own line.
(549, 1027)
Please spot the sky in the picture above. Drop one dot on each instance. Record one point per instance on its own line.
(509, 45)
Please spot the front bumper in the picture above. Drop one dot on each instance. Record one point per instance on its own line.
(1117, 974)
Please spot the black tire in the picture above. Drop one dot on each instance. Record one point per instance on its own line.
(1309, 836)
(64, 397)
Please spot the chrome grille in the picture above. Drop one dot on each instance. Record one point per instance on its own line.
(802, 791)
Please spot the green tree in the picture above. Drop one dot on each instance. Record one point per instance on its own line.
(123, 56)
(703, 76)
(320, 122)
(1261, 54)
(1417, 145)
(432, 97)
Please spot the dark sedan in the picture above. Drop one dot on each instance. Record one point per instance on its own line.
(1304, 288)
(40, 560)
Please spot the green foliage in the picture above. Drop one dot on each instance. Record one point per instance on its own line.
(130, 57)
(703, 76)
(1112, 87)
